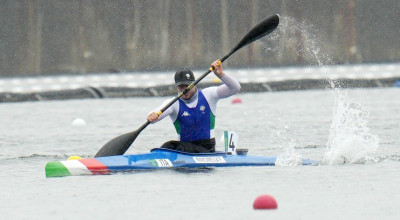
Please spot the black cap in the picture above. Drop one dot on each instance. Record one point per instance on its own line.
(184, 76)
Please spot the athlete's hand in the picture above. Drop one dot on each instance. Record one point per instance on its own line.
(217, 66)
(152, 117)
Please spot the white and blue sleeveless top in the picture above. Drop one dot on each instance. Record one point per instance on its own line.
(197, 123)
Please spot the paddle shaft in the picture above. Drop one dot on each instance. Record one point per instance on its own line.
(121, 144)
(185, 91)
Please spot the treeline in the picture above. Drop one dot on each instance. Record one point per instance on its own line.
(74, 36)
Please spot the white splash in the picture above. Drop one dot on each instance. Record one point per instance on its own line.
(298, 41)
(290, 157)
(350, 139)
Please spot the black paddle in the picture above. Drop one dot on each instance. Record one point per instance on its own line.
(120, 144)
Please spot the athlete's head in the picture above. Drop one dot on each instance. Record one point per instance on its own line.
(183, 78)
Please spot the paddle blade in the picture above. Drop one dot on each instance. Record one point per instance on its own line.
(118, 145)
(263, 28)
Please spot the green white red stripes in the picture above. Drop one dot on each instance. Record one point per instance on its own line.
(75, 167)
(95, 166)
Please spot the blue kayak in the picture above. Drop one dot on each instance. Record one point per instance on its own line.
(158, 158)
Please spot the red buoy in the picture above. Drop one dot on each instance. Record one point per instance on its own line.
(265, 202)
(236, 101)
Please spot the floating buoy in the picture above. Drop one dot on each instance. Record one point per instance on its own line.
(236, 101)
(74, 158)
(265, 202)
(78, 122)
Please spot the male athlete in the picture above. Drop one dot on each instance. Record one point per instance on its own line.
(194, 113)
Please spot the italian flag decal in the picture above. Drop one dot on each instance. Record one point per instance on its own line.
(75, 167)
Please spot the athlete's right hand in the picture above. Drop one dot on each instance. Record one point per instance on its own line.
(152, 117)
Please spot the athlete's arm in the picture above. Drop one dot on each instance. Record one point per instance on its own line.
(154, 117)
(230, 87)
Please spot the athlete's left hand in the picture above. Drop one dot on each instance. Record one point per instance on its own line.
(217, 66)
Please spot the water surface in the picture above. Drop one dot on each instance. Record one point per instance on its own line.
(283, 123)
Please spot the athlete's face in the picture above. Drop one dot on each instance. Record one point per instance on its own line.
(189, 94)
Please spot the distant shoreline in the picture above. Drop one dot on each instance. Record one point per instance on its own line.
(125, 92)
(148, 84)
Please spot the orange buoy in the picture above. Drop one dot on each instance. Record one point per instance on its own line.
(265, 202)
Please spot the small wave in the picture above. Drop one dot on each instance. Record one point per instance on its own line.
(34, 156)
(382, 159)
(188, 170)
(342, 160)
(48, 157)
(310, 146)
